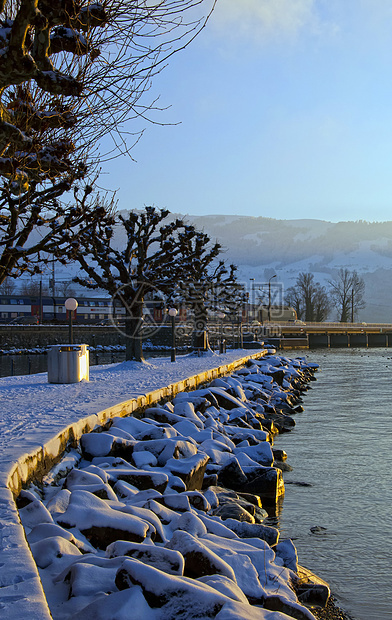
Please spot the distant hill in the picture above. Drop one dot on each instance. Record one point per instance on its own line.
(263, 246)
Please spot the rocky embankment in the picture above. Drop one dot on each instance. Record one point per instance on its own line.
(163, 517)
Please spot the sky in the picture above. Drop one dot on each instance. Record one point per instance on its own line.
(280, 108)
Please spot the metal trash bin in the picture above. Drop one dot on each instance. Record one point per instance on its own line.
(68, 363)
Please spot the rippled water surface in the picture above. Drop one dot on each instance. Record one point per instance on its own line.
(342, 446)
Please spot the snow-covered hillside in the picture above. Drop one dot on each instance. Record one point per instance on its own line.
(263, 246)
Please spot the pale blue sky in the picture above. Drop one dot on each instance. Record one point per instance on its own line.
(286, 112)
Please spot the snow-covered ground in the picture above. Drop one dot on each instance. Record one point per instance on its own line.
(30, 406)
(108, 584)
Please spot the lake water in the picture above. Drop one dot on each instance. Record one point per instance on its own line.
(342, 446)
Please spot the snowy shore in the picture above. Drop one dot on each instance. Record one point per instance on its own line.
(205, 432)
(147, 520)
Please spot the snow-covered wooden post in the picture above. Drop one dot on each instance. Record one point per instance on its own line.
(70, 304)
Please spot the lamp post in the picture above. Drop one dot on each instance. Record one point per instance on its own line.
(70, 304)
(269, 297)
(221, 316)
(173, 313)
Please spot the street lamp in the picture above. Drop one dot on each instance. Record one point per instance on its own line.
(173, 313)
(70, 304)
(221, 316)
(269, 296)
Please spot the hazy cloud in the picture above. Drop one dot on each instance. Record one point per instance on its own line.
(266, 19)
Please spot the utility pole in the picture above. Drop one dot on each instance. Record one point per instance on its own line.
(41, 312)
(269, 297)
(352, 305)
(53, 281)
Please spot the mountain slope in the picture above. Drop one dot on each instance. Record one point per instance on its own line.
(264, 246)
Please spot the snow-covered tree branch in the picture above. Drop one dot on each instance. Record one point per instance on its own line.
(82, 64)
(71, 72)
(146, 263)
(208, 285)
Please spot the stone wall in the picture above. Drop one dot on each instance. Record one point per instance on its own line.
(30, 336)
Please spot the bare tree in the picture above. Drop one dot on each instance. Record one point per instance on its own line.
(70, 73)
(64, 288)
(147, 264)
(34, 288)
(37, 225)
(7, 287)
(309, 299)
(293, 298)
(209, 285)
(321, 303)
(347, 290)
(95, 60)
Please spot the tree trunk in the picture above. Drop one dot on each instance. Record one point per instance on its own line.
(133, 333)
(200, 334)
(345, 312)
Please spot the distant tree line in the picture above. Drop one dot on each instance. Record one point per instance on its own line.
(314, 302)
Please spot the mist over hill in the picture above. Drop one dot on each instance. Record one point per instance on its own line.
(262, 246)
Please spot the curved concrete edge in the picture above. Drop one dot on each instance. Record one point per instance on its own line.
(21, 592)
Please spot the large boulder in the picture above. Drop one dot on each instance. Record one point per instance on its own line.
(199, 560)
(105, 444)
(232, 475)
(99, 523)
(168, 560)
(246, 529)
(178, 595)
(267, 482)
(261, 453)
(191, 470)
(165, 449)
(163, 415)
(233, 510)
(288, 608)
(139, 478)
